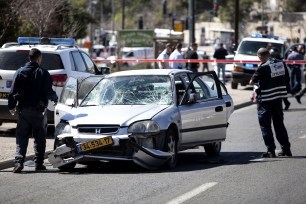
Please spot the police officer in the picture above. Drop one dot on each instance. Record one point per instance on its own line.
(192, 54)
(31, 89)
(272, 78)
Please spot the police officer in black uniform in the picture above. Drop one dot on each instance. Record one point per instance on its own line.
(31, 89)
(272, 78)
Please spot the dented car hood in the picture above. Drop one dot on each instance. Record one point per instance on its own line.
(122, 115)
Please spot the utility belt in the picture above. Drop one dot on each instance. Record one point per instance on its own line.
(34, 108)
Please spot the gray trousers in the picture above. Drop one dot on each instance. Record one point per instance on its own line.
(31, 122)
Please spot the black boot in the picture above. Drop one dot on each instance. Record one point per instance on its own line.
(285, 152)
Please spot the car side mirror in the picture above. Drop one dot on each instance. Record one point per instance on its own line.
(69, 102)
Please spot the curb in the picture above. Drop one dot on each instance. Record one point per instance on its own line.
(9, 163)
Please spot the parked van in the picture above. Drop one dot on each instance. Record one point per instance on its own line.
(136, 53)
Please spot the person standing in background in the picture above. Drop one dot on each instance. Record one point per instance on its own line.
(177, 55)
(192, 54)
(165, 55)
(295, 77)
(220, 54)
(205, 64)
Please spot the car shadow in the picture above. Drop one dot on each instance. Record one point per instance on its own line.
(187, 161)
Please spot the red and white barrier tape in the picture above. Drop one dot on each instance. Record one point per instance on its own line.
(194, 60)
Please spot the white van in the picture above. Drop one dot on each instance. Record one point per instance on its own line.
(136, 53)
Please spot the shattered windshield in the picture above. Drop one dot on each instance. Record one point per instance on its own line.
(131, 90)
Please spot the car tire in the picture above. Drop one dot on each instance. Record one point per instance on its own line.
(170, 145)
(234, 85)
(212, 149)
(68, 167)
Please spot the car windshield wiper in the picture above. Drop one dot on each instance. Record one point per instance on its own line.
(89, 105)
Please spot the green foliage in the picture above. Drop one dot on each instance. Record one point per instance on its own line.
(295, 6)
(9, 23)
(227, 10)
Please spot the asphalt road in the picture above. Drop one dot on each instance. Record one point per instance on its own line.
(238, 175)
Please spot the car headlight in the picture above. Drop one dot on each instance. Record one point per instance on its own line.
(144, 127)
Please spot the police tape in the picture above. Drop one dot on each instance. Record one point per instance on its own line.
(192, 61)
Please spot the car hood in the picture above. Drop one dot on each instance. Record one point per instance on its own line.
(246, 57)
(122, 115)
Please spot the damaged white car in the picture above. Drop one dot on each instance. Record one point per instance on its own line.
(144, 116)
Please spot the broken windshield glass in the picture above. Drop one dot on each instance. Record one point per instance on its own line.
(131, 90)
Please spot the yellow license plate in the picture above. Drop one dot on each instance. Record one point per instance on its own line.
(4, 95)
(95, 144)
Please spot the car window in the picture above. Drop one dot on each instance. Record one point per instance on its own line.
(86, 85)
(78, 61)
(16, 59)
(205, 87)
(131, 90)
(68, 94)
(223, 89)
(89, 63)
(251, 47)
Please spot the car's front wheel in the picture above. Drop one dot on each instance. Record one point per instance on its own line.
(212, 149)
(234, 85)
(170, 145)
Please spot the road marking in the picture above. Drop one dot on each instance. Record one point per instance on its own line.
(256, 160)
(303, 137)
(191, 193)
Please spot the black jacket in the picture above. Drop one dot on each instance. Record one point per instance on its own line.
(273, 80)
(32, 87)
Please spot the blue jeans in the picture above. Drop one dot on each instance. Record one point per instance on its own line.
(295, 80)
(221, 67)
(272, 111)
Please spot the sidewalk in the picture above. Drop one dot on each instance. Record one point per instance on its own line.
(241, 98)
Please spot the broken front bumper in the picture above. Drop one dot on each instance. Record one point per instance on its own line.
(145, 157)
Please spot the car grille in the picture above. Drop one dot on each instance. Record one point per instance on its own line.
(98, 129)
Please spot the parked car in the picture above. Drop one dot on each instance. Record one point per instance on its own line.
(61, 57)
(145, 116)
(247, 50)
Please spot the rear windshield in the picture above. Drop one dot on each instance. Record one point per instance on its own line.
(15, 60)
(251, 47)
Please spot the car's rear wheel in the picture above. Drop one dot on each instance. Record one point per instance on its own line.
(170, 145)
(234, 85)
(212, 149)
(67, 167)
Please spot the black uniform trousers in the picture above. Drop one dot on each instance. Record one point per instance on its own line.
(31, 121)
(272, 110)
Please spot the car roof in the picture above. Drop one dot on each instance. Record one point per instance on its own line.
(148, 72)
(48, 48)
(271, 40)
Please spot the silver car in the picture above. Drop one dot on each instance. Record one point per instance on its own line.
(144, 116)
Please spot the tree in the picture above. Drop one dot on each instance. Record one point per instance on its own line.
(9, 23)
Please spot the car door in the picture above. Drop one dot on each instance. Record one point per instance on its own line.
(67, 99)
(203, 120)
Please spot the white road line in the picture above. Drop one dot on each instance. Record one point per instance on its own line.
(303, 137)
(191, 193)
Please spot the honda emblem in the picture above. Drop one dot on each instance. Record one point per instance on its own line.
(98, 131)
